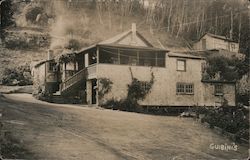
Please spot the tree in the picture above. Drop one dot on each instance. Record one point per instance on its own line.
(6, 18)
(6, 13)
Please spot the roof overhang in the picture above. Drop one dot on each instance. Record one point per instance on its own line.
(42, 62)
(181, 55)
(128, 47)
(218, 81)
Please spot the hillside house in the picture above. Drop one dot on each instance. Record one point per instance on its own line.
(215, 42)
(177, 77)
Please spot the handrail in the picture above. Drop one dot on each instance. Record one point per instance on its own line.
(73, 79)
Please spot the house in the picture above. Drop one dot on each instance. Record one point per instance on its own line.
(215, 42)
(103, 71)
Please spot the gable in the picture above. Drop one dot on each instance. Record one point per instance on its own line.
(129, 39)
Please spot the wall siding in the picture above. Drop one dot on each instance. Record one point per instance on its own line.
(211, 100)
(163, 92)
(215, 43)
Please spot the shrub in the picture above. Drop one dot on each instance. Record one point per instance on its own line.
(105, 86)
(234, 120)
(16, 76)
(137, 90)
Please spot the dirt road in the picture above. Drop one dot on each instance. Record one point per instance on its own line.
(53, 131)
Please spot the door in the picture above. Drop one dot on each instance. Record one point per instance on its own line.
(94, 90)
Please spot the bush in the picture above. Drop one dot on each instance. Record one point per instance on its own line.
(36, 15)
(234, 120)
(16, 76)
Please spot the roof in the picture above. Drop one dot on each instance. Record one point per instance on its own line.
(133, 47)
(184, 55)
(217, 81)
(115, 42)
(116, 39)
(217, 36)
(39, 63)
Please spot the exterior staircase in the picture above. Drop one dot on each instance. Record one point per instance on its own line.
(69, 84)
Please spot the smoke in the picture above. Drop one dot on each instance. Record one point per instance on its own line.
(68, 25)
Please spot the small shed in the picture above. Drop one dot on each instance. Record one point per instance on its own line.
(210, 41)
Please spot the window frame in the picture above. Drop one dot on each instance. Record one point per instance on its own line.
(218, 91)
(185, 65)
(51, 66)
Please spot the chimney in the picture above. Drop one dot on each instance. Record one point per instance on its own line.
(133, 32)
(50, 54)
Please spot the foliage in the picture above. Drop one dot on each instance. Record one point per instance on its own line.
(73, 44)
(17, 76)
(26, 42)
(137, 90)
(65, 58)
(36, 16)
(105, 86)
(6, 14)
(229, 69)
(233, 120)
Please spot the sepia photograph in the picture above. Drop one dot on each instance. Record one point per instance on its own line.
(124, 79)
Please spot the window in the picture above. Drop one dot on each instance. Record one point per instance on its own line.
(52, 66)
(160, 59)
(108, 55)
(180, 88)
(218, 89)
(189, 89)
(203, 67)
(181, 65)
(232, 46)
(129, 57)
(184, 88)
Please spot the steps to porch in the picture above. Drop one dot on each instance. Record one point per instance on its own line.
(72, 82)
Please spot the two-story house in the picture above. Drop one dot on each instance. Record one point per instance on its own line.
(177, 77)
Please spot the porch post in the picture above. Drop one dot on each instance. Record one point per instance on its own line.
(64, 71)
(138, 58)
(74, 66)
(156, 62)
(119, 56)
(97, 68)
(89, 91)
(97, 55)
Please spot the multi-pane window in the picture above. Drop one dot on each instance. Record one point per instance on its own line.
(134, 57)
(184, 88)
(180, 88)
(189, 88)
(218, 89)
(181, 65)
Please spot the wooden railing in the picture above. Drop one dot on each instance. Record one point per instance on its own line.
(74, 79)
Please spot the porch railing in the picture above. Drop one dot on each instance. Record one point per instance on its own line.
(74, 79)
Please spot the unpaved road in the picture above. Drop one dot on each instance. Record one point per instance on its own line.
(53, 131)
